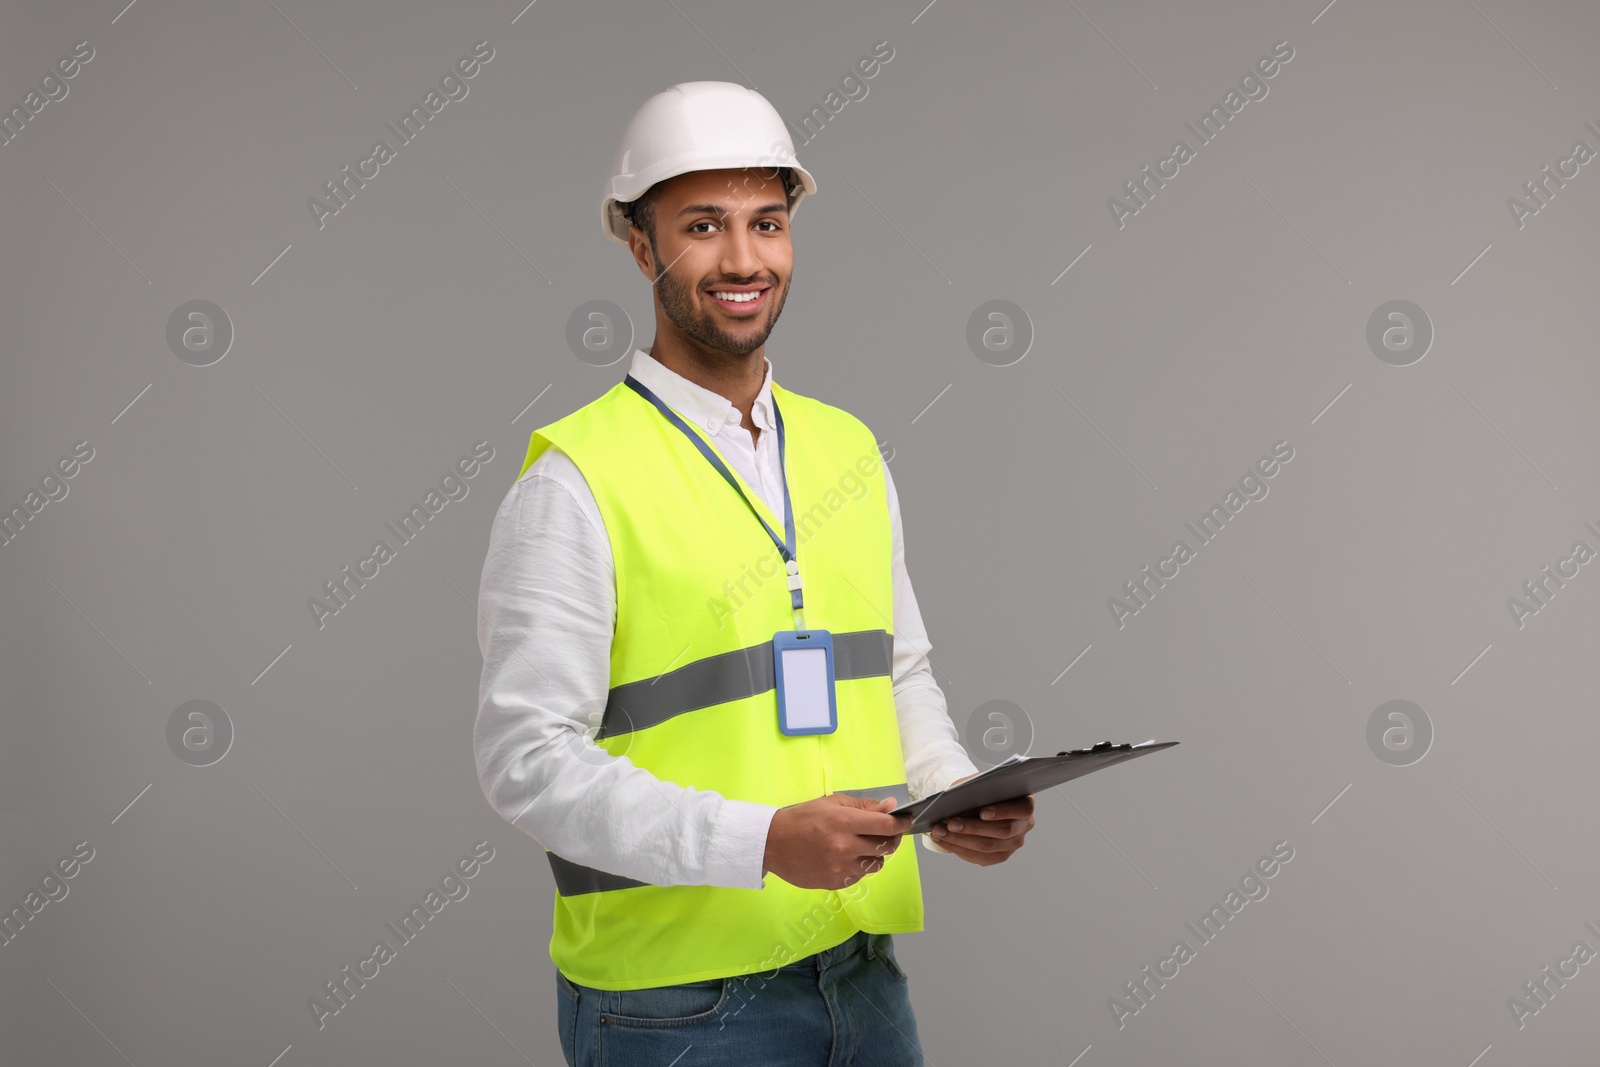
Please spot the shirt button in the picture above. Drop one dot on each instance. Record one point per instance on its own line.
(733, 416)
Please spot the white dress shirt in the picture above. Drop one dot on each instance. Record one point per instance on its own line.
(547, 613)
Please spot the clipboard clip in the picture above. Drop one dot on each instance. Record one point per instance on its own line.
(1104, 746)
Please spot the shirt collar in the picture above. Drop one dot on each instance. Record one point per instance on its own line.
(695, 402)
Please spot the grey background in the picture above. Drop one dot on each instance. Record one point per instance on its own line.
(1224, 317)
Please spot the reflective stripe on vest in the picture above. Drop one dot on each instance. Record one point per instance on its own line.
(574, 879)
(700, 592)
(745, 672)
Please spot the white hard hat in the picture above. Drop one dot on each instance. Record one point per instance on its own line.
(697, 126)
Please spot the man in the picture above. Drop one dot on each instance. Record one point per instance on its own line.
(727, 865)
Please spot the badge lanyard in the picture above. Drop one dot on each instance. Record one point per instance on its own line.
(786, 545)
(802, 660)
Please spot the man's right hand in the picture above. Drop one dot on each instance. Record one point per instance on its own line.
(831, 842)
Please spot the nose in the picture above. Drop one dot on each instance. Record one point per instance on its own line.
(739, 256)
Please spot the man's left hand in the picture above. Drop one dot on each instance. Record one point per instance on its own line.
(991, 834)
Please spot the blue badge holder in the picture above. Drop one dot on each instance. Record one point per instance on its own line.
(803, 664)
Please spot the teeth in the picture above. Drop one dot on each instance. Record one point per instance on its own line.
(738, 298)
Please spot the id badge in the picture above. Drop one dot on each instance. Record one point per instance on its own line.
(803, 661)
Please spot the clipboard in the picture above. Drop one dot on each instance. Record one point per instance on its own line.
(1018, 776)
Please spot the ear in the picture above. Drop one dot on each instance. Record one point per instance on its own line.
(639, 245)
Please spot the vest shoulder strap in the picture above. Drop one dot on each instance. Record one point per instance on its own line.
(608, 416)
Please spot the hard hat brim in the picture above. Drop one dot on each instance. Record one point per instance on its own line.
(628, 188)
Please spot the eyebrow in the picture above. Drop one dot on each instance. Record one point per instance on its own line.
(719, 210)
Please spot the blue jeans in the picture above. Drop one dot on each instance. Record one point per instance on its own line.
(846, 1006)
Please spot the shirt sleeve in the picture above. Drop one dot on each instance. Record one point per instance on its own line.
(933, 751)
(546, 617)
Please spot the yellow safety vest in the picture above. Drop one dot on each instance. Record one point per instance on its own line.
(701, 589)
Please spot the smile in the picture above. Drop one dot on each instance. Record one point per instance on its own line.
(739, 303)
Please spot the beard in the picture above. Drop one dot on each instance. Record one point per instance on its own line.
(679, 302)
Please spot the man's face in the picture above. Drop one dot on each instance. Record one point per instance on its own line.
(719, 233)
